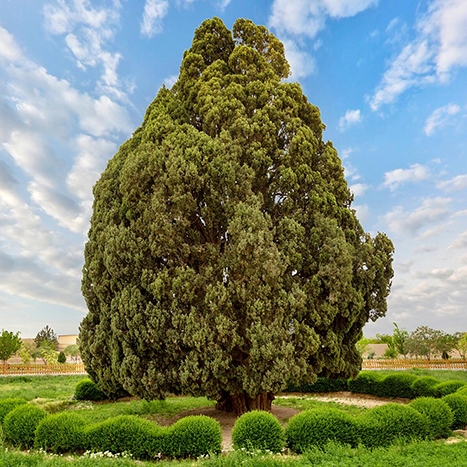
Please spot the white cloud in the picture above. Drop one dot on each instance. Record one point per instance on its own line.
(54, 142)
(304, 18)
(439, 46)
(308, 18)
(170, 81)
(457, 183)
(223, 4)
(440, 117)
(410, 68)
(350, 118)
(414, 173)
(154, 12)
(301, 63)
(430, 213)
(358, 189)
(87, 31)
(363, 212)
(459, 242)
(346, 8)
(9, 49)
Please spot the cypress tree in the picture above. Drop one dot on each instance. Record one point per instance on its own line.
(224, 258)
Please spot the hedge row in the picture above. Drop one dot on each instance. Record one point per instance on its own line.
(403, 385)
(27, 426)
(424, 418)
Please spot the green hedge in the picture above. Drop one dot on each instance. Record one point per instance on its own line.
(321, 385)
(397, 385)
(383, 425)
(87, 390)
(447, 387)
(366, 383)
(20, 424)
(424, 386)
(258, 430)
(438, 413)
(194, 436)
(7, 405)
(317, 427)
(61, 432)
(127, 433)
(458, 405)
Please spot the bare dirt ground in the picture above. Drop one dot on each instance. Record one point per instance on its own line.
(350, 398)
(227, 420)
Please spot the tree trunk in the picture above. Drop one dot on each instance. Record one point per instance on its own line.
(241, 403)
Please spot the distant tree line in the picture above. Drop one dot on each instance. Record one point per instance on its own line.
(423, 342)
(44, 347)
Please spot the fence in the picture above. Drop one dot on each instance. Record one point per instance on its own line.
(42, 369)
(407, 364)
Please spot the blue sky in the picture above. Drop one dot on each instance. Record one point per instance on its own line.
(390, 79)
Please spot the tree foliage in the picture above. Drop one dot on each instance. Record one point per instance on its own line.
(46, 338)
(10, 343)
(224, 257)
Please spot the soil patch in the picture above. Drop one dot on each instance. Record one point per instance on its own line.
(350, 398)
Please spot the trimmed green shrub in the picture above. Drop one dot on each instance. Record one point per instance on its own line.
(7, 405)
(447, 387)
(462, 391)
(61, 432)
(258, 430)
(127, 433)
(87, 390)
(365, 383)
(423, 386)
(321, 385)
(458, 405)
(194, 436)
(383, 425)
(317, 427)
(397, 385)
(61, 357)
(438, 414)
(20, 424)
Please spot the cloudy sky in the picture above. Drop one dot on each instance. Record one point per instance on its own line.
(389, 76)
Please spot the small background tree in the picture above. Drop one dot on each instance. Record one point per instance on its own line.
(10, 343)
(46, 338)
(72, 351)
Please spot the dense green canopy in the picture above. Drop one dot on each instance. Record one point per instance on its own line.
(224, 258)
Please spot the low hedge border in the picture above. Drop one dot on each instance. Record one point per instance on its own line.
(403, 385)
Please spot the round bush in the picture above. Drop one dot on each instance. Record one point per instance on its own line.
(127, 433)
(397, 385)
(61, 432)
(365, 383)
(381, 426)
(87, 390)
(194, 436)
(448, 387)
(423, 386)
(317, 427)
(438, 414)
(7, 405)
(258, 430)
(458, 405)
(20, 424)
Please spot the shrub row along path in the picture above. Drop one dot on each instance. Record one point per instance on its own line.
(227, 420)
